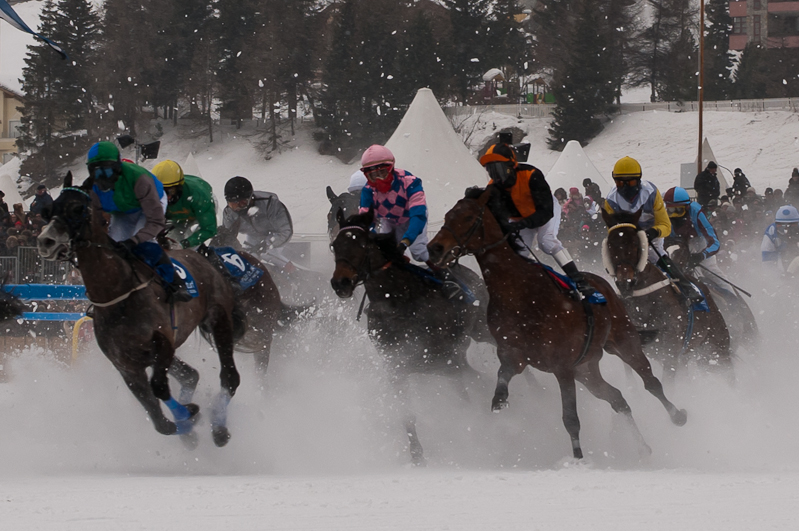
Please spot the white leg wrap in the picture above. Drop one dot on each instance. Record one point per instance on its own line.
(562, 257)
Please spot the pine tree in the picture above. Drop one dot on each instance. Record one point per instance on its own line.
(718, 59)
(583, 88)
(469, 59)
(621, 20)
(421, 61)
(752, 76)
(58, 117)
(506, 45)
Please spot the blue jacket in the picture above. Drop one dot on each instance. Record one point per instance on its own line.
(700, 227)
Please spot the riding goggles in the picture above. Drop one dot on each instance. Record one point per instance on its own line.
(378, 172)
(631, 183)
(676, 211)
(500, 172)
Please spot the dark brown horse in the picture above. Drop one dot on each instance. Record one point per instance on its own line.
(674, 333)
(536, 323)
(410, 320)
(737, 315)
(134, 326)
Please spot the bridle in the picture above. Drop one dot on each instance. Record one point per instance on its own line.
(639, 266)
(362, 274)
(460, 249)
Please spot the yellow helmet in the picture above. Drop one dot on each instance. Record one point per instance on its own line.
(627, 168)
(169, 173)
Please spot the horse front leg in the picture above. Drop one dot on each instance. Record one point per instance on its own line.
(228, 376)
(568, 396)
(141, 389)
(185, 415)
(400, 384)
(187, 376)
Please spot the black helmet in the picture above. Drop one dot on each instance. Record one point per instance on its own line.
(238, 188)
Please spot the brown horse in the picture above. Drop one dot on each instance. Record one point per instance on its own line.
(737, 315)
(674, 333)
(536, 323)
(10, 305)
(134, 326)
(411, 322)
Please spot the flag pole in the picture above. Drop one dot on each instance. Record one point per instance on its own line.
(701, 88)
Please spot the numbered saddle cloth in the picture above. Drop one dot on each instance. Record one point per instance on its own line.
(239, 268)
(188, 279)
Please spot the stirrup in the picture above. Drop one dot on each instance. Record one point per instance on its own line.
(451, 289)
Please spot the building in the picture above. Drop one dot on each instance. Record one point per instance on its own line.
(9, 121)
(773, 23)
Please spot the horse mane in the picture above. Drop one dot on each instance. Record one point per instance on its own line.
(624, 217)
(360, 220)
(388, 247)
(473, 192)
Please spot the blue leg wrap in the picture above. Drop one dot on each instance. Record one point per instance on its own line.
(179, 411)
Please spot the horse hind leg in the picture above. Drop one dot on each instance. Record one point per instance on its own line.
(628, 348)
(141, 389)
(187, 376)
(590, 376)
(568, 396)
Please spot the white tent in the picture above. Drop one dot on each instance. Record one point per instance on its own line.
(572, 167)
(8, 175)
(426, 145)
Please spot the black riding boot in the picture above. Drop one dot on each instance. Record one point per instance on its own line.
(449, 285)
(566, 263)
(686, 287)
(176, 290)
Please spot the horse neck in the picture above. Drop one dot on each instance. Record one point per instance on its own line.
(105, 273)
(384, 277)
(501, 264)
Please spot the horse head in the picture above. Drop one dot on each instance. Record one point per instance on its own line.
(625, 251)
(346, 203)
(464, 230)
(67, 222)
(351, 249)
(10, 305)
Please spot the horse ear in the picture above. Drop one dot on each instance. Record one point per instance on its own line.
(484, 197)
(68, 180)
(370, 217)
(340, 216)
(331, 195)
(606, 216)
(88, 184)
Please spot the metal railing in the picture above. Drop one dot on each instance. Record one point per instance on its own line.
(28, 267)
(525, 110)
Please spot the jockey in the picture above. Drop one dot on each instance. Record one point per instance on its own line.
(190, 203)
(400, 208)
(632, 194)
(523, 204)
(261, 217)
(780, 236)
(136, 202)
(689, 224)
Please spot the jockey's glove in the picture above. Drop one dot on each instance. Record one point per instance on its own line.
(403, 244)
(652, 233)
(695, 259)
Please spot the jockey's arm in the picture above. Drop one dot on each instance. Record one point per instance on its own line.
(366, 201)
(706, 230)
(662, 221)
(417, 211)
(205, 213)
(151, 206)
(542, 197)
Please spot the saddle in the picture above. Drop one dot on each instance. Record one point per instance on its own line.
(241, 274)
(567, 285)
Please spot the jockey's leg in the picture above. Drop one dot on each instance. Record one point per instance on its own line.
(175, 286)
(711, 264)
(667, 265)
(550, 244)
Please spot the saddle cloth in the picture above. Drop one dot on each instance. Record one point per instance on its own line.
(239, 268)
(565, 283)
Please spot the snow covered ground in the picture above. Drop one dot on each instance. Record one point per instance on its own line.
(318, 445)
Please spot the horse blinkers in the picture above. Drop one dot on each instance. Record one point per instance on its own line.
(347, 274)
(65, 222)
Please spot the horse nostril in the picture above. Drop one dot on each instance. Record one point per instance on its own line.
(46, 242)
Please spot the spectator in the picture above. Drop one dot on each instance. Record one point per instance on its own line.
(792, 192)
(592, 190)
(561, 196)
(740, 182)
(42, 201)
(706, 184)
(3, 206)
(11, 245)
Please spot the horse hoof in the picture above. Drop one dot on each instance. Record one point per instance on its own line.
(193, 410)
(190, 440)
(680, 417)
(498, 405)
(221, 436)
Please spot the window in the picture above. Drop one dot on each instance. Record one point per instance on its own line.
(757, 4)
(739, 25)
(756, 28)
(13, 131)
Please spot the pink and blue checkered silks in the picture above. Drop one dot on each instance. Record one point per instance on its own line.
(404, 203)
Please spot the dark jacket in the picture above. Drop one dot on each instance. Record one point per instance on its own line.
(707, 187)
(740, 184)
(535, 195)
(791, 194)
(40, 203)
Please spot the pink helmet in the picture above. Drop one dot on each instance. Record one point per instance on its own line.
(376, 154)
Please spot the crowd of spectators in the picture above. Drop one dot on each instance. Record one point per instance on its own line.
(19, 228)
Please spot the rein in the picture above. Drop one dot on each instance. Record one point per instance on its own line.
(369, 270)
(459, 249)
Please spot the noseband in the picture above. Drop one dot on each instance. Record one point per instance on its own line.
(643, 243)
(460, 249)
